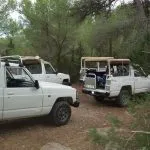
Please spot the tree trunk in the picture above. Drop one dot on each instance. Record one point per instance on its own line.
(140, 10)
(110, 38)
(110, 47)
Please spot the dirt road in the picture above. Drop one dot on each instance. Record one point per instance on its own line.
(32, 134)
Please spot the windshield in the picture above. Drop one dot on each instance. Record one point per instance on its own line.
(91, 64)
(34, 66)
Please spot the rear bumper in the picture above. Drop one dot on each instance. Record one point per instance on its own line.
(93, 92)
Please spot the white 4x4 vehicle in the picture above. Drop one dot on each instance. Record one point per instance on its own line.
(119, 80)
(41, 70)
(21, 96)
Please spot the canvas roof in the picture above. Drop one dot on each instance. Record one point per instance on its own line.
(98, 58)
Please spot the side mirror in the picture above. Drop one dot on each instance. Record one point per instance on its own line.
(56, 71)
(36, 84)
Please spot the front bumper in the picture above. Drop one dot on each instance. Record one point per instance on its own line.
(94, 92)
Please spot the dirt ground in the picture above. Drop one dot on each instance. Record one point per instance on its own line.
(32, 134)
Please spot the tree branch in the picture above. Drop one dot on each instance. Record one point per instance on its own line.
(144, 132)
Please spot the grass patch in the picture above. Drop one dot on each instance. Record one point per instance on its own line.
(139, 107)
(115, 122)
(98, 138)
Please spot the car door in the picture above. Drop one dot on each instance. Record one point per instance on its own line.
(50, 74)
(21, 98)
(141, 82)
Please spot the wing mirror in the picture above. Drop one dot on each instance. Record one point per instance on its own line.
(56, 71)
(36, 84)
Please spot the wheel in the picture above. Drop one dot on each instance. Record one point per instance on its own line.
(124, 97)
(98, 98)
(61, 113)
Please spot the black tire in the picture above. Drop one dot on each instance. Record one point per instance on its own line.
(61, 113)
(124, 97)
(98, 98)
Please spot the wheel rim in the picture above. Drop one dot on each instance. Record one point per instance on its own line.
(125, 97)
(63, 113)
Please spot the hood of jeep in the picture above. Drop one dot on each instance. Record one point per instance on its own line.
(54, 85)
(63, 76)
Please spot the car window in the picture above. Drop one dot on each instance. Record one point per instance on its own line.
(34, 68)
(119, 70)
(138, 73)
(18, 77)
(49, 69)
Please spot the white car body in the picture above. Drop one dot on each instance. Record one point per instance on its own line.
(44, 75)
(29, 101)
(41, 70)
(134, 81)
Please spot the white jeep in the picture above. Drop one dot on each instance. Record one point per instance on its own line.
(21, 96)
(119, 80)
(41, 70)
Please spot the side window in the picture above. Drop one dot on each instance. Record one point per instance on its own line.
(18, 77)
(49, 69)
(121, 70)
(138, 73)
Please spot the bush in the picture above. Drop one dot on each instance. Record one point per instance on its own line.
(138, 136)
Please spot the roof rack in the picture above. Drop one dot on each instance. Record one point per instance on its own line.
(12, 59)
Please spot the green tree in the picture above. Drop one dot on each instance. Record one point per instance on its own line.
(5, 8)
(49, 28)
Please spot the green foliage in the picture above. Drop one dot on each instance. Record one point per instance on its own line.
(115, 122)
(49, 28)
(5, 8)
(63, 31)
(85, 8)
(139, 108)
(97, 138)
(108, 140)
(139, 101)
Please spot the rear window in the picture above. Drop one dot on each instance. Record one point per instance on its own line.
(33, 66)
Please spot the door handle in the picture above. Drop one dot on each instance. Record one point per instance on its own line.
(10, 93)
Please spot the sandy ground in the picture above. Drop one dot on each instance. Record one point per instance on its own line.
(32, 134)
